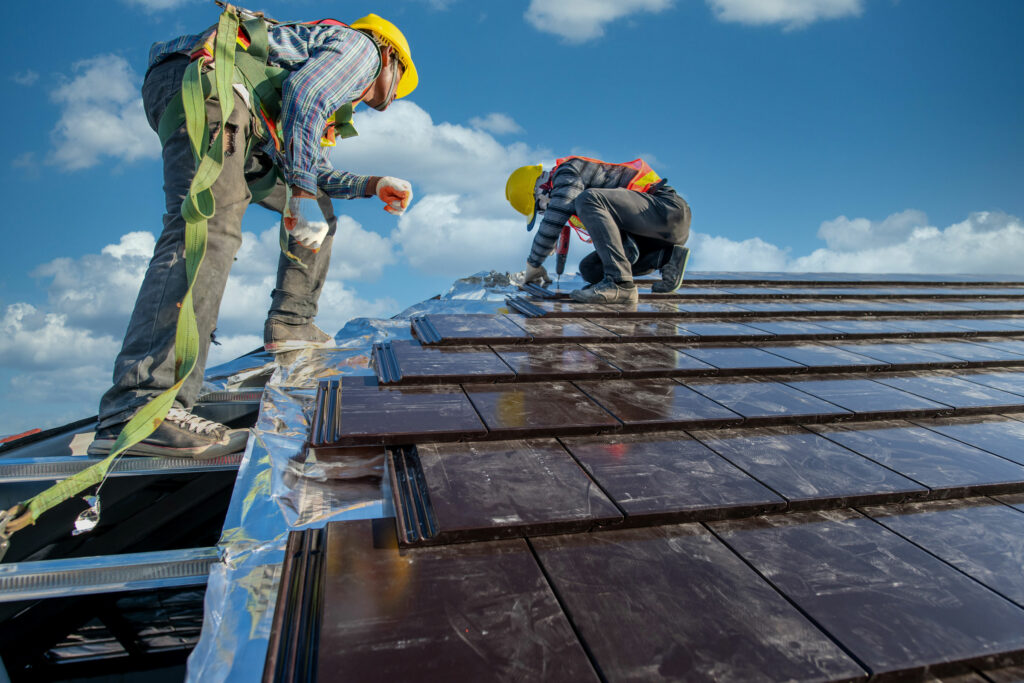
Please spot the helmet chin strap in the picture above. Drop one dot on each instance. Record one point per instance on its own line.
(389, 98)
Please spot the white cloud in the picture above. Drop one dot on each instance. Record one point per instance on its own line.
(792, 14)
(97, 291)
(229, 348)
(34, 339)
(497, 123)
(985, 243)
(578, 21)
(442, 157)
(361, 256)
(101, 116)
(459, 221)
(27, 77)
(710, 252)
(436, 237)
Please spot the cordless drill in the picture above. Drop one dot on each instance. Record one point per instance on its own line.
(562, 252)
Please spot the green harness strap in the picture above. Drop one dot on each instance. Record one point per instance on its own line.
(197, 208)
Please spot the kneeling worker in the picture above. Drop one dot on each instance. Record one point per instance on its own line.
(613, 202)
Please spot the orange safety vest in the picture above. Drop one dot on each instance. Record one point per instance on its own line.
(642, 181)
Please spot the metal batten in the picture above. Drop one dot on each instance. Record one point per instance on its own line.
(21, 470)
(109, 574)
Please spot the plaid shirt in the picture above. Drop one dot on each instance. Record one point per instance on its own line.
(568, 181)
(330, 66)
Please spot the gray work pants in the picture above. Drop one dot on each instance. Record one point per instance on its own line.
(650, 260)
(294, 299)
(661, 215)
(145, 365)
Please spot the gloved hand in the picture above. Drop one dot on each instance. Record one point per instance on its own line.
(298, 224)
(395, 193)
(536, 274)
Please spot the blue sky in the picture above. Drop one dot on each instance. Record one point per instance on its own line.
(807, 135)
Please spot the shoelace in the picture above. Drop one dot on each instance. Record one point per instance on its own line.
(193, 423)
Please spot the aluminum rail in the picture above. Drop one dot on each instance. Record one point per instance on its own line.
(109, 574)
(22, 470)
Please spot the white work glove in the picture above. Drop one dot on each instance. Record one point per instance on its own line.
(395, 193)
(537, 274)
(308, 233)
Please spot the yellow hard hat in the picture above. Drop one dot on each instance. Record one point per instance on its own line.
(390, 36)
(519, 190)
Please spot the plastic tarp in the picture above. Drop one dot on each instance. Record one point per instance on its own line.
(279, 488)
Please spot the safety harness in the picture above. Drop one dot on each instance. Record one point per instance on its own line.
(239, 49)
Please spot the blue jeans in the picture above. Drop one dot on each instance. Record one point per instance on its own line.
(145, 365)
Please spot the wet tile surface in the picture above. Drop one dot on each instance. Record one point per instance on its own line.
(973, 351)
(908, 354)
(1015, 306)
(867, 397)
(369, 414)
(886, 327)
(738, 357)
(652, 360)
(538, 409)
(768, 402)
(955, 392)
(794, 328)
(480, 328)
(979, 536)
(489, 490)
(1014, 346)
(559, 329)
(645, 404)
(781, 307)
(997, 434)
(535, 362)
(775, 467)
(480, 611)
(847, 305)
(699, 617)
(668, 476)
(891, 604)
(982, 325)
(823, 357)
(1010, 381)
(808, 469)
(423, 364)
(724, 331)
(922, 305)
(938, 462)
(711, 307)
(567, 308)
(639, 329)
(655, 307)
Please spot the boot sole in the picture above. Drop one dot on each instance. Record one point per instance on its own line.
(236, 440)
(295, 345)
(679, 280)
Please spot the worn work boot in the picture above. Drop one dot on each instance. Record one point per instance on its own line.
(279, 335)
(180, 435)
(672, 271)
(607, 291)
